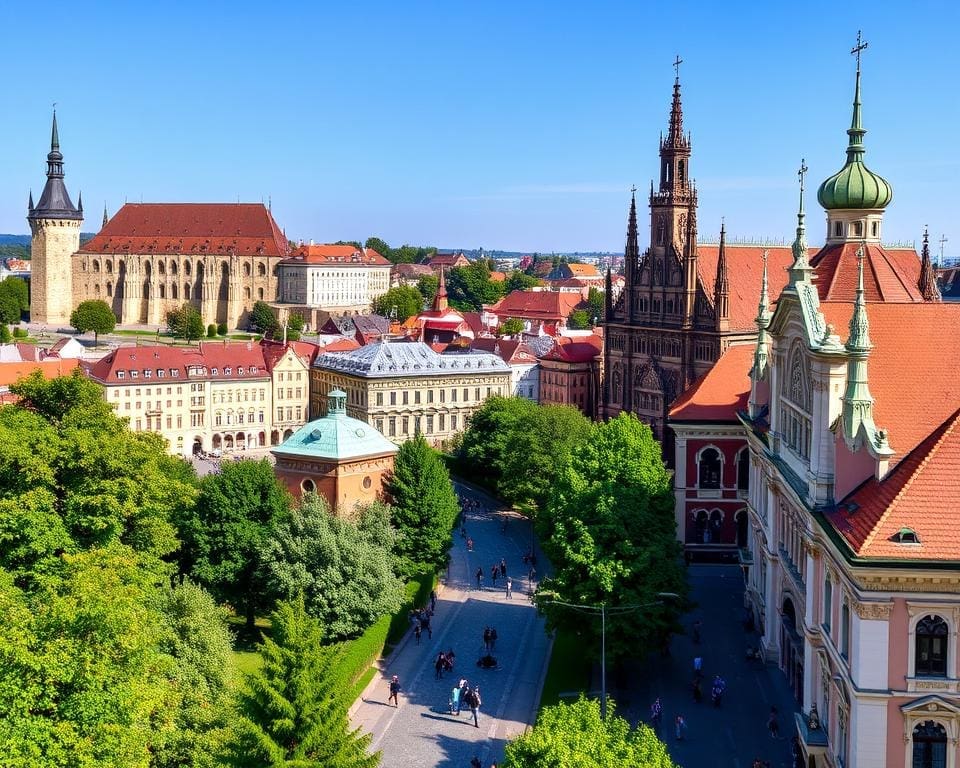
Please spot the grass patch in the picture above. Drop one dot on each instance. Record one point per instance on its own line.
(243, 337)
(569, 669)
(246, 662)
(122, 332)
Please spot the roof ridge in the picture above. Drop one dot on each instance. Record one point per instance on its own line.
(948, 426)
(893, 268)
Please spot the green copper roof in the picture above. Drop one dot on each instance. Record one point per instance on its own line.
(335, 436)
(855, 185)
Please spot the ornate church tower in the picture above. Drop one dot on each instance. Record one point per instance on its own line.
(55, 225)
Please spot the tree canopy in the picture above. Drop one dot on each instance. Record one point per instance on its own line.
(404, 300)
(405, 254)
(93, 315)
(521, 281)
(579, 320)
(224, 535)
(290, 712)
(428, 285)
(610, 533)
(424, 507)
(262, 318)
(511, 327)
(342, 568)
(185, 322)
(574, 734)
(11, 300)
(471, 287)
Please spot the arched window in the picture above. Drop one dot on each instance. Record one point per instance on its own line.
(827, 603)
(261, 270)
(932, 634)
(845, 630)
(709, 468)
(929, 745)
(682, 172)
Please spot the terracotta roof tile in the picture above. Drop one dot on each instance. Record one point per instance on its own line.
(537, 305)
(578, 350)
(341, 255)
(50, 368)
(246, 229)
(721, 392)
(888, 275)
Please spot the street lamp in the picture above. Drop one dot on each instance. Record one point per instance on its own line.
(603, 610)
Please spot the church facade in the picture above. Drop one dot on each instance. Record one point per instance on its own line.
(683, 303)
(151, 258)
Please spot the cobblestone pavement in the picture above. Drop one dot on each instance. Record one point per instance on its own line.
(421, 732)
(735, 734)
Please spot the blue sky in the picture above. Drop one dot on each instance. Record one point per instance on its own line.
(509, 125)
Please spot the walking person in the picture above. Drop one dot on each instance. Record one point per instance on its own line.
(417, 631)
(656, 714)
(503, 567)
(773, 725)
(433, 600)
(475, 763)
(455, 700)
(509, 588)
(698, 666)
(425, 623)
(493, 638)
(494, 572)
(479, 578)
(681, 726)
(474, 702)
(438, 665)
(394, 690)
(486, 639)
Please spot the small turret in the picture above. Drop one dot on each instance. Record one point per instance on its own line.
(800, 270)
(759, 370)
(105, 217)
(440, 303)
(54, 201)
(927, 283)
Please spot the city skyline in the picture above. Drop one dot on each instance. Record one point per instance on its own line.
(491, 127)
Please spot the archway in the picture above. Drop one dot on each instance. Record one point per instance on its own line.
(217, 442)
(197, 445)
(241, 441)
(228, 442)
(929, 745)
(791, 648)
(287, 433)
(274, 437)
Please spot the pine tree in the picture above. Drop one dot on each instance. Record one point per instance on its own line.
(292, 711)
(424, 507)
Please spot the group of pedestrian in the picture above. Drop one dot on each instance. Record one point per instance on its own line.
(462, 696)
(498, 570)
(444, 663)
(420, 618)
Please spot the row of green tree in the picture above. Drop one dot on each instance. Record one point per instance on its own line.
(118, 567)
(602, 503)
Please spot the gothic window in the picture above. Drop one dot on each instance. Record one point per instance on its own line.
(701, 530)
(743, 470)
(682, 172)
(617, 384)
(875, 229)
(163, 292)
(261, 270)
(109, 290)
(186, 291)
(929, 745)
(174, 291)
(161, 268)
(108, 266)
(827, 604)
(658, 272)
(931, 647)
(708, 468)
(661, 230)
(173, 268)
(247, 271)
(260, 293)
(96, 265)
(682, 233)
(96, 289)
(845, 630)
(796, 404)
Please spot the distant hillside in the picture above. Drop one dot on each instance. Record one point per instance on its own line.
(18, 246)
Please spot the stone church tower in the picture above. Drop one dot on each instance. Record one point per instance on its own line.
(55, 225)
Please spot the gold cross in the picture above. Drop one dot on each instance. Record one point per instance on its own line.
(858, 48)
(676, 65)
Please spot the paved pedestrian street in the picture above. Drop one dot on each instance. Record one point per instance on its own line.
(421, 732)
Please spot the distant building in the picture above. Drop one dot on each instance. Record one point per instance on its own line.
(587, 273)
(440, 324)
(337, 457)
(339, 279)
(543, 312)
(405, 388)
(409, 274)
(11, 371)
(570, 374)
(447, 261)
(524, 366)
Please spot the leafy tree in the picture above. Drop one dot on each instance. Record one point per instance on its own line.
(225, 533)
(520, 281)
(428, 285)
(212, 331)
(471, 287)
(10, 306)
(512, 327)
(20, 333)
(406, 299)
(610, 533)
(5, 337)
(291, 711)
(579, 320)
(486, 441)
(343, 569)
(378, 245)
(221, 329)
(424, 505)
(18, 287)
(597, 300)
(575, 734)
(262, 318)
(185, 323)
(295, 325)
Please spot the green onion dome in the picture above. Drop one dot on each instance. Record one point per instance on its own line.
(855, 185)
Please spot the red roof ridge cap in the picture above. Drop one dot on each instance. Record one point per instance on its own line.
(952, 423)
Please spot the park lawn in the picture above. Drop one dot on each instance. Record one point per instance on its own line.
(569, 669)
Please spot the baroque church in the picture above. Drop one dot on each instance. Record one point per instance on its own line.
(151, 258)
(685, 303)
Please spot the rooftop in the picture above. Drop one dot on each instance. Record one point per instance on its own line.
(381, 359)
(340, 255)
(721, 392)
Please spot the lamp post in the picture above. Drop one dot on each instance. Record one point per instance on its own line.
(603, 610)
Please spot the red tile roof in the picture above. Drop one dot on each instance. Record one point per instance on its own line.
(745, 270)
(447, 260)
(213, 361)
(912, 379)
(537, 305)
(721, 392)
(50, 368)
(510, 350)
(341, 255)
(246, 229)
(583, 270)
(888, 275)
(577, 350)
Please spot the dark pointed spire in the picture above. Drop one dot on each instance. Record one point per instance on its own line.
(675, 131)
(633, 240)
(721, 291)
(54, 201)
(927, 284)
(760, 359)
(30, 202)
(105, 217)
(608, 295)
(440, 302)
(80, 202)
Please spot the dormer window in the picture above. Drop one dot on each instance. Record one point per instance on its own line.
(175, 372)
(121, 374)
(134, 374)
(906, 536)
(215, 371)
(228, 371)
(147, 374)
(240, 371)
(161, 373)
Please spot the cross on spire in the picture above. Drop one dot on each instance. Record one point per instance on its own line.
(859, 48)
(802, 173)
(633, 188)
(676, 65)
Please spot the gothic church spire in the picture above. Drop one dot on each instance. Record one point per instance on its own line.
(927, 284)
(721, 291)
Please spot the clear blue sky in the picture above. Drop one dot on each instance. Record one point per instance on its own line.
(513, 125)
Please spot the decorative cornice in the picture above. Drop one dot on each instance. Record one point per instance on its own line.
(873, 611)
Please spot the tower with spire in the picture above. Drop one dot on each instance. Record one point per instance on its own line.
(927, 283)
(721, 290)
(55, 229)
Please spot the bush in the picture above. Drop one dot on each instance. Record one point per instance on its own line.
(211, 331)
(20, 333)
(221, 329)
(4, 334)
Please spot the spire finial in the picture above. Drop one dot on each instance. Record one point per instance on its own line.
(859, 48)
(54, 136)
(800, 269)
(440, 303)
(927, 282)
(759, 368)
(676, 66)
(105, 217)
(859, 340)
(855, 147)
